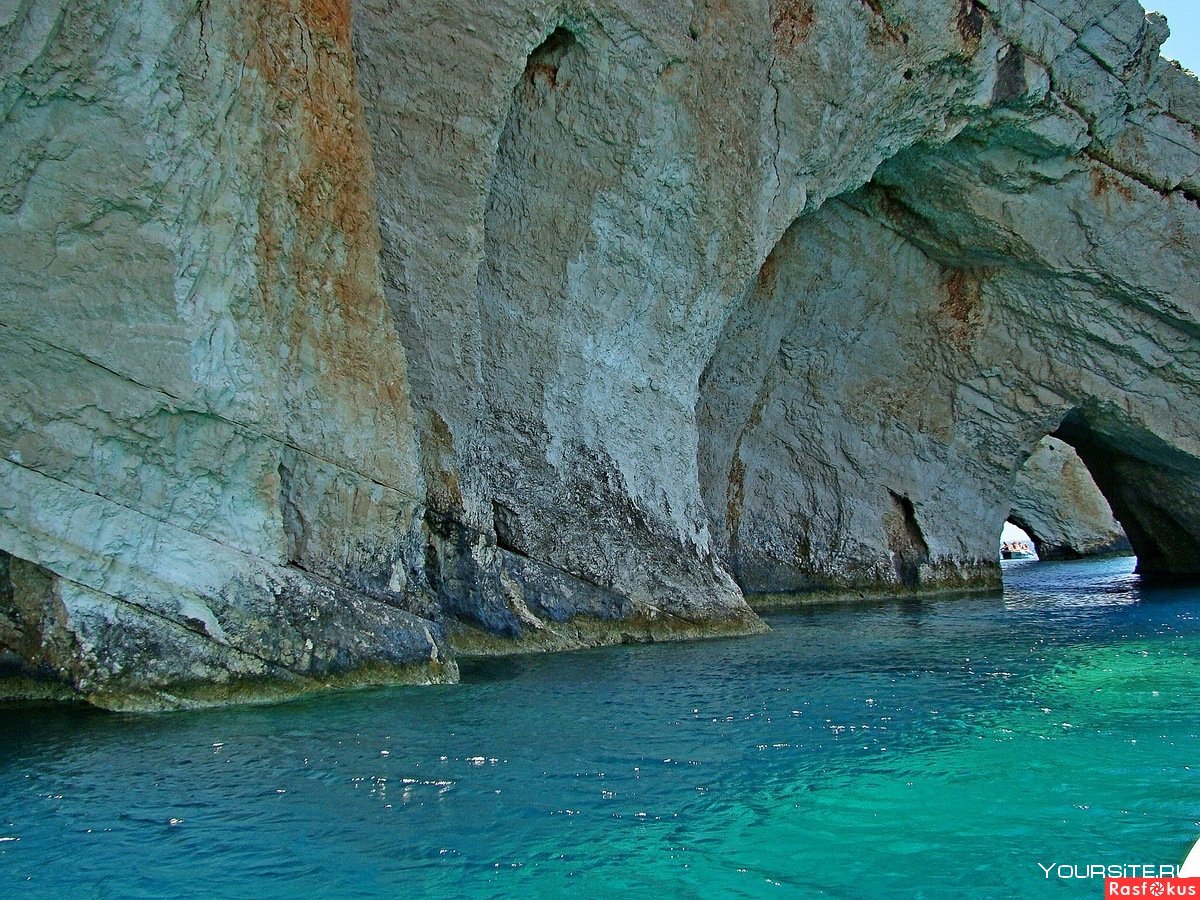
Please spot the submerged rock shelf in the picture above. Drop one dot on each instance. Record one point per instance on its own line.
(337, 336)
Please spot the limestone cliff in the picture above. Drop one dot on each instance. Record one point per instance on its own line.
(1056, 502)
(339, 336)
(909, 343)
(210, 477)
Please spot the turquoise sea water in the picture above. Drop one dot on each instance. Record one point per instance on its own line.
(933, 749)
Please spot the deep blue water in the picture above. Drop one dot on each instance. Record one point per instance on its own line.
(922, 749)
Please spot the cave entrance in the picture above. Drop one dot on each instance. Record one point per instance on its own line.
(1065, 515)
(1150, 485)
(1017, 543)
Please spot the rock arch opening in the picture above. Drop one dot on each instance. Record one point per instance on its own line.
(1055, 500)
(1151, 485)
(909, 340)
(1017, 541)
(830, 456)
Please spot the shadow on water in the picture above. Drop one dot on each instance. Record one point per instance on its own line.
(495, 668)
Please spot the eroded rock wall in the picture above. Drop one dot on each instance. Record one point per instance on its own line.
(341, 334)
(208, 454)
(908, 345)
(570, 209)
(833, 448)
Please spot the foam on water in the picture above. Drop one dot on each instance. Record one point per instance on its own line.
(925, 749)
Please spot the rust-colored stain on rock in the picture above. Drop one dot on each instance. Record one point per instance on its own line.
(970, 22)
(791, 22)
(317, 238)
(964, 294)
(1105, 181)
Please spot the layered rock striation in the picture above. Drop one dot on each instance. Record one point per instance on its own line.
(341, 338)
(211, 477)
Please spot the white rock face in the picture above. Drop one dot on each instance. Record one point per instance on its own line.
(1058, 504)
(207, 441)
(338, 336)
(909, 344)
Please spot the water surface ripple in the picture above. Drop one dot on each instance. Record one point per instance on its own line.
(923, 749)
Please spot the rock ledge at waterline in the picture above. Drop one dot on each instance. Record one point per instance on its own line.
(340, 337)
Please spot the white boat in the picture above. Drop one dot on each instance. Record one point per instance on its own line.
(1017, 550)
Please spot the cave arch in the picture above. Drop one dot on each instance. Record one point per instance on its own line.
(900, 342)
(1056, 501)
(828, 450)
(1150, 485)
(1037, 542)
